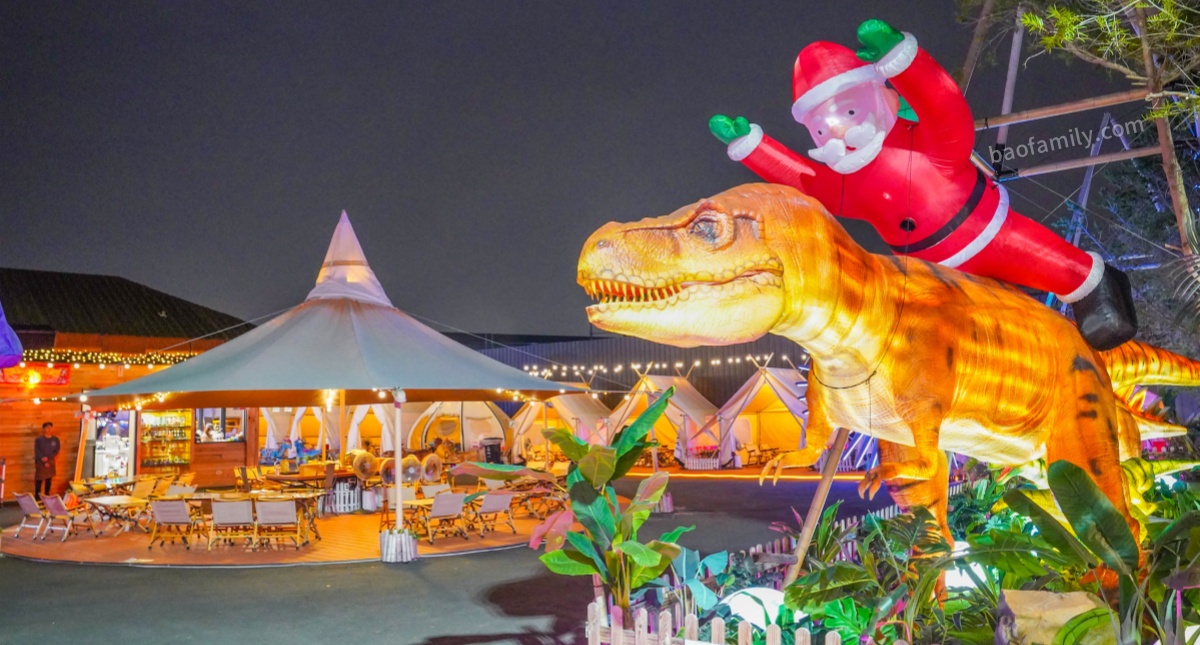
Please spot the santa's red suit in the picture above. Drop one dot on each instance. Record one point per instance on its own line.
(921, 191)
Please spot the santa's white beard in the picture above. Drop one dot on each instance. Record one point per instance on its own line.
(865, 138)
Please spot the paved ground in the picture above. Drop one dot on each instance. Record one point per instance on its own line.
(491, 598)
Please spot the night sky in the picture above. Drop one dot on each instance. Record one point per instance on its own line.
(206, 149)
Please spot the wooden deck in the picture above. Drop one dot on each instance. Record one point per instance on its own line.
(353, 537)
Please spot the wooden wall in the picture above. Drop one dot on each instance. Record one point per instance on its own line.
(21, 422)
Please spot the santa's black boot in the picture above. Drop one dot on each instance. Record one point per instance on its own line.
(1105, 316)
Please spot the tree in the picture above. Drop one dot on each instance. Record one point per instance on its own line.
(1156, 45)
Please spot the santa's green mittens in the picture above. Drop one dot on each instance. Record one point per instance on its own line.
(727, 129)
(877, 38)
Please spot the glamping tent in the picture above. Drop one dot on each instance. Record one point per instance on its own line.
(345, 345)
(583, 415)
(686, 413)
(465, 423)
(768, 413)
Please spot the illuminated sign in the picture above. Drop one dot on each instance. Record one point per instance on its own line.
(34, 375)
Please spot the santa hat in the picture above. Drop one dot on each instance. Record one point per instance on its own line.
(823, 70)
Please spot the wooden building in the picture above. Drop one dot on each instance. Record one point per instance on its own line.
(84, 332)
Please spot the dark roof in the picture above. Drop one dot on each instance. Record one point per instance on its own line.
(80, 303)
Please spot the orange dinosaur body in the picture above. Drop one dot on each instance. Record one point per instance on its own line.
(924, 358)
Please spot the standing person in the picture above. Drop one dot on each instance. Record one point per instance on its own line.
(45, 451)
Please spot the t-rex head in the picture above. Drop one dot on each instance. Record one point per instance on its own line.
(711, 273)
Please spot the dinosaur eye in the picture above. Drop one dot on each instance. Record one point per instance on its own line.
(707, 228)
(851, 112)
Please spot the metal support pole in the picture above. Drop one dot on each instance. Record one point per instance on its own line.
(1084, 162)
(1010, 80)
(818, 504)
(1130, 96)
(398, 399)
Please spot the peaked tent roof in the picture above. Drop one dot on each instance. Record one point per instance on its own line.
(687, 403)
(345, 336)
(575, 410)
(769, 390)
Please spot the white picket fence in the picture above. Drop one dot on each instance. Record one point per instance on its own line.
(608, 629)
(691, 462)
(346, 496)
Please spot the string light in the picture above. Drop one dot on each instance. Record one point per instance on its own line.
(81, 357)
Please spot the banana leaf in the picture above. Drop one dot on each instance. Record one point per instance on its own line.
(569, 562)
(598, 465)
(593, 512)
(573, 447)
(585, 546)
(649, 492)
(1095, 520)
(1075, 630)
(626, 439)
(1050, 529)
(1010, 552)
(641, 574)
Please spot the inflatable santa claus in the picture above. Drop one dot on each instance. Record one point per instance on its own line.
(913, 179)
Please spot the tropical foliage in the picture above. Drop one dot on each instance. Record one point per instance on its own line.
(608, 545)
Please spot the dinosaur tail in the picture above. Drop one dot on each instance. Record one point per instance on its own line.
(1136, 363)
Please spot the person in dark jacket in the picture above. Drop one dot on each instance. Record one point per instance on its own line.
(45, 451)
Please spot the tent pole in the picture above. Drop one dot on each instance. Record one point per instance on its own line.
(397, 401)
(343, 423)
(832, 458)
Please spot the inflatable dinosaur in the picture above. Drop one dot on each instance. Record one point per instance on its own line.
(925, 358)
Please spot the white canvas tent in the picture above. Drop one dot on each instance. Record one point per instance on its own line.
(584, 416)
(686, 413)
(344, 345)
(463, 422)
(768, 411)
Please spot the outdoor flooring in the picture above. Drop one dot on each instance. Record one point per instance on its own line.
(349, 538)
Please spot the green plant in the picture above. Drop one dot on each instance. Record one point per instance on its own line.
(1156, 586)
(973, 510)
(608, 545)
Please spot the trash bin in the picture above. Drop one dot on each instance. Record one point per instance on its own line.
(491, 451)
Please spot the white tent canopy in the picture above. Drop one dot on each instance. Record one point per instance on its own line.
(686, 413)
(345, 339)
(768, 411)
(584, 416)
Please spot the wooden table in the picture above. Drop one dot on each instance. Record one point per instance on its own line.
(120, 509)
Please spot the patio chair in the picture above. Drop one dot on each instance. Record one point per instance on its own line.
(30, 510)
(175, 490)
(171, 517)
(160, 486)
(57, 511)
(186, 479)
(278, 520)
(444, 516)
(491, 484)
(407, 493)
(493, 509)
(433, 490)
(327, 490)
(231, 519)
(82, 490)
(144, 488)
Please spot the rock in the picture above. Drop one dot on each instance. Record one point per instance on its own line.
(1030, 617)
